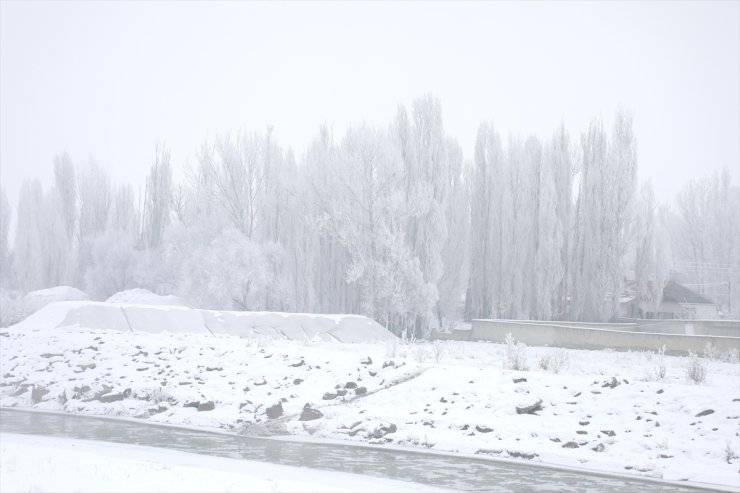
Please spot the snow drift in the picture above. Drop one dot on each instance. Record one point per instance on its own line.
(179, 319)
(35, 300)
(145, 297)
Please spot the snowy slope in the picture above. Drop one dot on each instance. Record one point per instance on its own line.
(603, 410)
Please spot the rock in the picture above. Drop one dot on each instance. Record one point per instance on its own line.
(194, 404)
(38, 393)
(341, 392)
(367, 361)
(329, 396)
(297, 381)
(309, 413)
(443, 400)
(244, 404)
(275, 411)
(584, 423)
(599, 448)
(51, 355)
(614, 382)
(483, 429)
(111, 397)
(556, 440)
(360, 391)
(22, 389)
(521, 455)
(263, 382)
(570, 445)
(389, 363)
(350, 385)
(464, 427)
(705, 412)
(531, 409)
(659, 391)
(372, 373)
(609, 433)
(214, 368)
(581, 432)
(300, 363)
(519, 380)
(206, 406)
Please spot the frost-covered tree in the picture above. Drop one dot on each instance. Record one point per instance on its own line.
(705, 232)
(5, 260)
(157, 199)
(604, 207)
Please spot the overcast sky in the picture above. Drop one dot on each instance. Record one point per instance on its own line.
(108, 80)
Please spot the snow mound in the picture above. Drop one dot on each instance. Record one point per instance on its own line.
(145, 297)
(179, 319)
(36, 300)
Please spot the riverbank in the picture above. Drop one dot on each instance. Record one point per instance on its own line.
(634, 413)
(39, 464)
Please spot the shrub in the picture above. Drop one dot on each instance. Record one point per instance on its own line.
(556, 361)
(659, 370)
(696, 371)
(516, 354)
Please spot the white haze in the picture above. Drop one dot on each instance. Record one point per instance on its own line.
(108, 80)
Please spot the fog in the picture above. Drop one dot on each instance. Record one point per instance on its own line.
(485, 230)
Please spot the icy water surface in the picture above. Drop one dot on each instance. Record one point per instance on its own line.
(442, 471)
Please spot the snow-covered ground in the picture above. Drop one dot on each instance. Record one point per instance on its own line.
(602, 410)
(38, 464)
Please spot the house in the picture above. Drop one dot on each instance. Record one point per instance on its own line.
(683, 303)
(678, 302)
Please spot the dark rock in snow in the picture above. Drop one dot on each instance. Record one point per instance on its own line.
(38, 393)
(531, 409)
(660, 391)
(705, 412)
(193, 404)
(584, 423)
(483, 429)
(214, 368)
(112, 397)
(599, 448)
(297, 381)
(360, 391)
(350, 385)
(341, 392)
(329, 396)
(614, 382)
(609, 433)
(275, 411)
(389, 363)
(300, 363)
(206, 406)
(367, 361)
(519, 380)
(570, 445)
(309, 413)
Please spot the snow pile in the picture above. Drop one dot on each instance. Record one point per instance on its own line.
(140, 296)
(36, 300)
(180, 319)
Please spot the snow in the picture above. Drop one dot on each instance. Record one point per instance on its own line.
(139, 296)
(456, 397)
(179, 319)
(34, 463)
(36, 300)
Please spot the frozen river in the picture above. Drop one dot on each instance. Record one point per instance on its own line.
(445, 471)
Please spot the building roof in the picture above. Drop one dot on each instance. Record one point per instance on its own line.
(681, 294)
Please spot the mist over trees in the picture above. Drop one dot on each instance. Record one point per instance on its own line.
(393, 222)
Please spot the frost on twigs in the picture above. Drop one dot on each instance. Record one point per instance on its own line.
(516, 354)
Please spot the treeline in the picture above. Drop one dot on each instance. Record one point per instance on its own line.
(391, 222)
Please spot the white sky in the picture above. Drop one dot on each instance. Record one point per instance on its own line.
(108, 80)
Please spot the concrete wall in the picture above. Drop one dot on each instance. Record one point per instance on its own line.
(577, 337)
